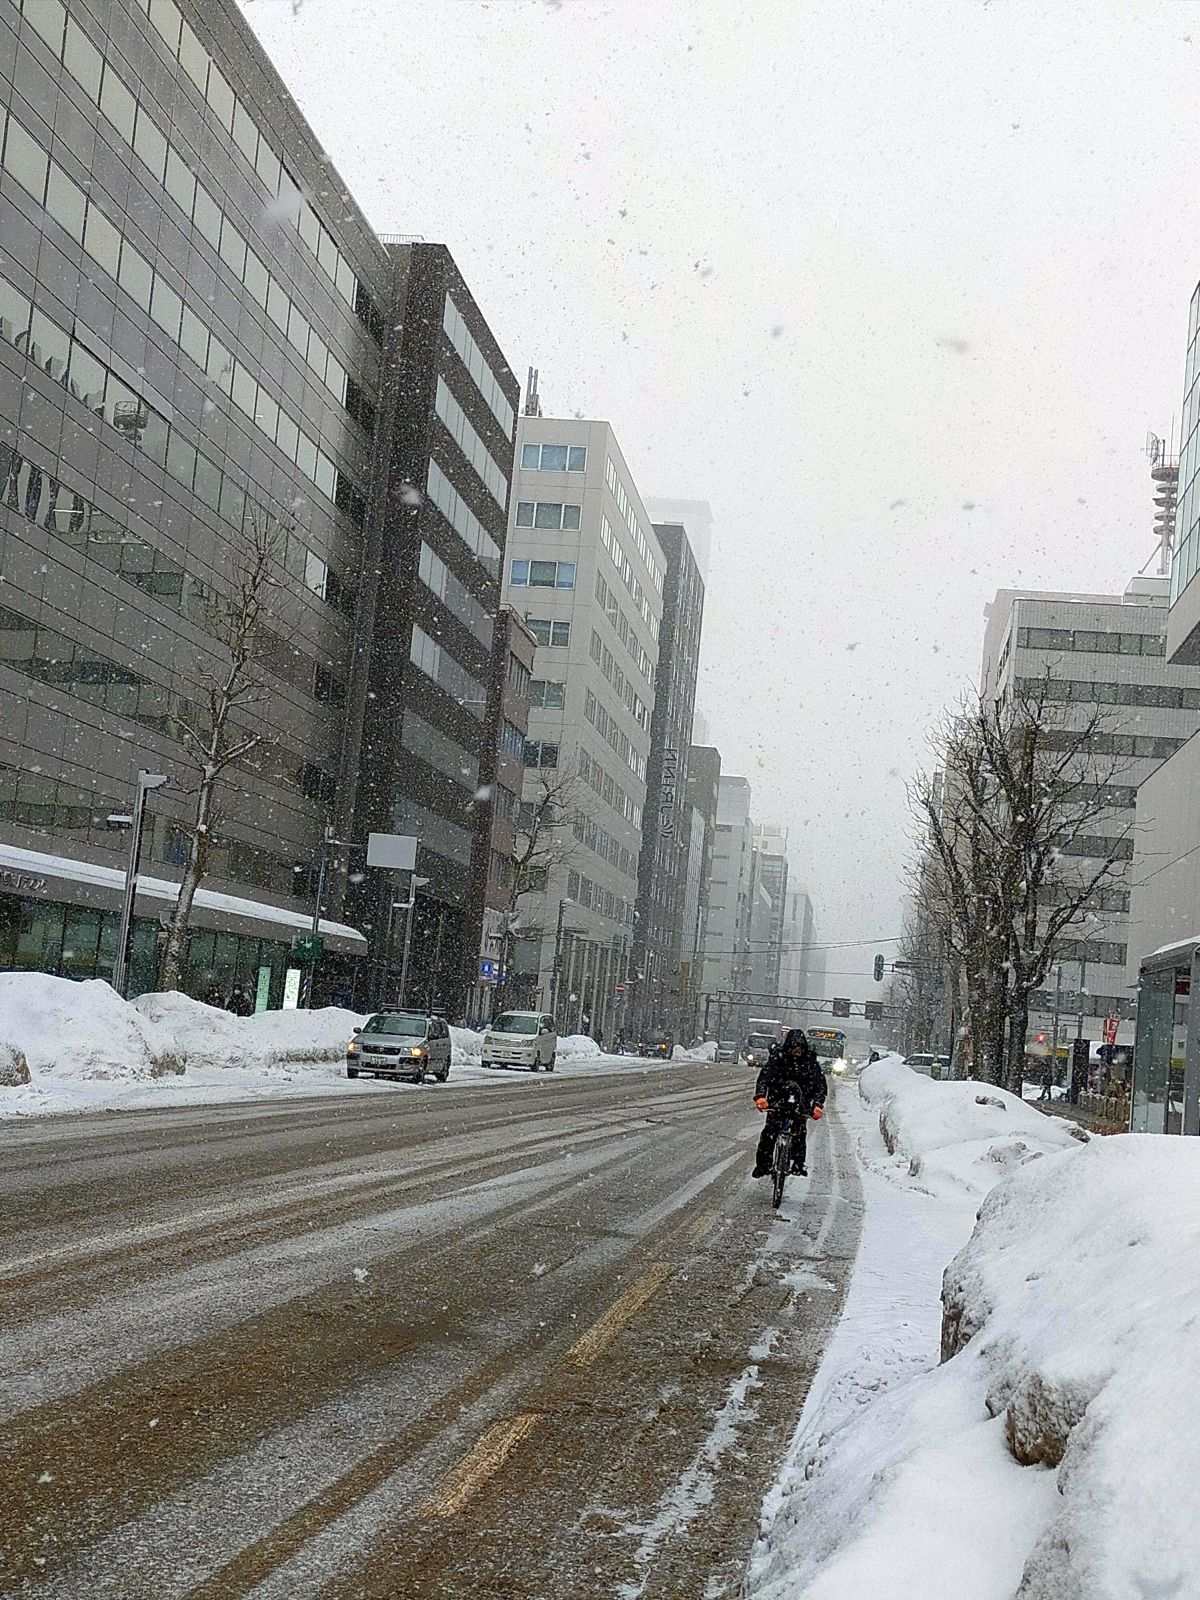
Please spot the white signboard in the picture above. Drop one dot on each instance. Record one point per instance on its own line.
(291, 989)
(396, 850)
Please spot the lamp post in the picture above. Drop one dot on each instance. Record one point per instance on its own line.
(554, 976)
(146, 781)
(414, 883)
(310, 971)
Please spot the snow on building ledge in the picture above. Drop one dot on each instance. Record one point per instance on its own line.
(87, 883)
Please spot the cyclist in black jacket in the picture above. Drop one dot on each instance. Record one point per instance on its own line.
(791, 1070)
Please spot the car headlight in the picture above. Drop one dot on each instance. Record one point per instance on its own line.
(417, 1050)
(352, 1048)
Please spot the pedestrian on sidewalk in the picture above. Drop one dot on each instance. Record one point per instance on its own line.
(1047, 1079)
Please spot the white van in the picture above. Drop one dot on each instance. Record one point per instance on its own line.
(521, 1039)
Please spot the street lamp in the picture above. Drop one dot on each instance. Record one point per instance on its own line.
(145, 782)
(414, 883)
(558, 936)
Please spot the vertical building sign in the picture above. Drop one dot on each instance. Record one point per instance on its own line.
(666, 791)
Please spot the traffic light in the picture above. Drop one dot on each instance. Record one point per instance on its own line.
(878, 969)
(1040, 1038)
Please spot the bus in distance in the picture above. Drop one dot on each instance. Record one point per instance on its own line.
(829, 1045)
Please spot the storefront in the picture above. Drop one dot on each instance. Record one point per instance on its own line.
(1166, 1061)
(60, 916)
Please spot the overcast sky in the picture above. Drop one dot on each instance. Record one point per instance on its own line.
(898, 288)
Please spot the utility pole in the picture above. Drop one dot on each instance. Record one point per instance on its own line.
(554, 975)
(146, 781)
(1057, 1015)
(414, 883)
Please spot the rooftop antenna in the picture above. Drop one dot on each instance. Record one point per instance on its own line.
(1164, 473)
(533, 404)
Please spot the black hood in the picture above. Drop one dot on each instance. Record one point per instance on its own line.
(795, 1039)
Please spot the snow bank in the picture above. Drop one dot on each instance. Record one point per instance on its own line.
(1054, 1454)
(79, 1030)
(207, 1036)
(466, 1048)
(578, 1047)
(957, 1137)
(702, 1052)
(1077, 1302)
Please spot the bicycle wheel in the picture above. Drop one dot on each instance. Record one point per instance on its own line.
(781, 1161)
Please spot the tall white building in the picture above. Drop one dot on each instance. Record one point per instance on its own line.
(1103, 651)
(585, 571)
(730, 890)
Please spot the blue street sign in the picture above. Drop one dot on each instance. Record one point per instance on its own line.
(487, 968)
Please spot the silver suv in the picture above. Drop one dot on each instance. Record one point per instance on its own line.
(400, 1044)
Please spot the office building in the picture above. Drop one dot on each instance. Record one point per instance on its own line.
(420, 711)
(1165, 914)
(198, 337)
(770, 873)
(797, 940)
(700, 816)
(1106, 651)
(662, 871)
(586, 572)
(727, 964)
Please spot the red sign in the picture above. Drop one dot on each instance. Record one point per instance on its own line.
(1110, 1029)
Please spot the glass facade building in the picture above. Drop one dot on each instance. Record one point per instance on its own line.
(200, 335)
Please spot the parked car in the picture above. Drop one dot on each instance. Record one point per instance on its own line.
(400, 1044)
(926, 1063)
(521, 1039)
(727, 1050)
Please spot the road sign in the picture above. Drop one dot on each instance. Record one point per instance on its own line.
(873, 1010)
(841, 1008)
(487, 970)
(395, 850)
(308, 946)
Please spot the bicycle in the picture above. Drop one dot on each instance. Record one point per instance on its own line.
(781, 1156)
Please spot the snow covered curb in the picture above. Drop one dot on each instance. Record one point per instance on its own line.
(1055, 1452)
(67, 1046)
(957, 1138)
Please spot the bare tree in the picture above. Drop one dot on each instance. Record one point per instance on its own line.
(215, 734)
(1023, 836)
(545, 840)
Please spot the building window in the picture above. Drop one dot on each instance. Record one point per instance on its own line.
(542, 574)
(556, 634)
(551, 514)
(512, 740)
(548, 694)
(518, 677)
(554, 457)
(540, 753)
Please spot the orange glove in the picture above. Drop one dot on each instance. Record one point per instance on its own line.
(817, 1113)
(761, 1102)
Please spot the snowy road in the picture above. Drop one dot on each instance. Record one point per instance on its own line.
(541, 1342)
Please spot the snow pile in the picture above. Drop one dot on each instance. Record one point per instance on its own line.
(1075, 1306)
(1054, 1454)
(958, 1137)
(208, 1036)
(577, 1047)
(466, 1047)
(702, 1052)
(74, 1030)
